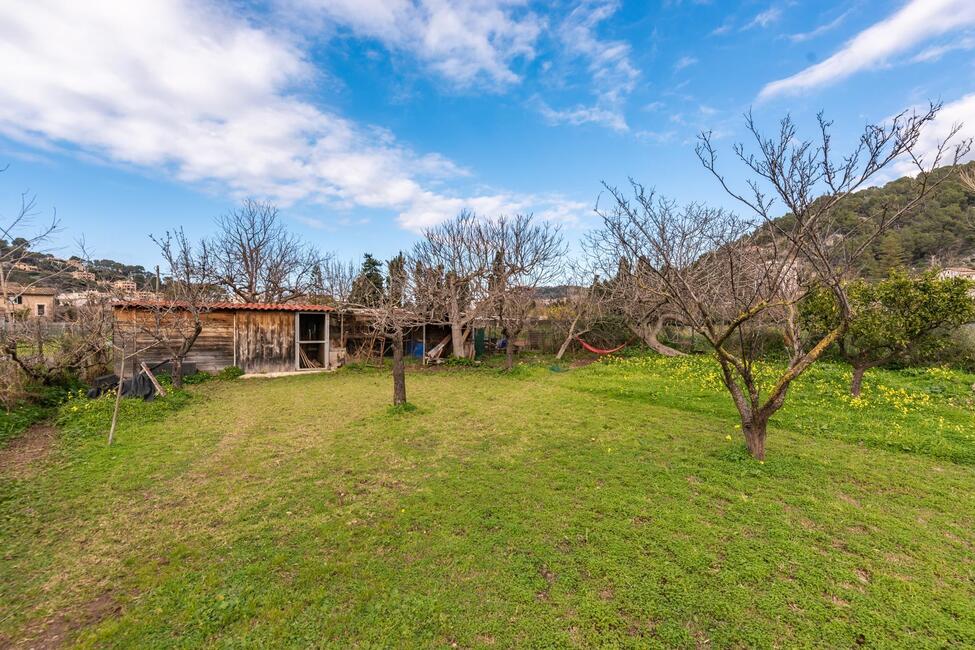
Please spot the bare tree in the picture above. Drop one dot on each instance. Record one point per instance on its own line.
(22, 239)
(455, 257)
(645, 309)
(78, 345)
(395, 313)
(967, 177)
(734, 279)
(176, 321)
(43, 353)
(337, 280)
(581, 305)
(255, 258)
(526, 255)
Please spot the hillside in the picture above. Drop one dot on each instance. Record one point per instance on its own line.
(939, 231)
(69, 274)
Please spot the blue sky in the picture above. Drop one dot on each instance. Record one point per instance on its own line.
(367, 120)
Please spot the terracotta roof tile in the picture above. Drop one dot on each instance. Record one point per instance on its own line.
(226, 305)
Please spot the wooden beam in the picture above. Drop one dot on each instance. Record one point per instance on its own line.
(328, 341)
(153, 379)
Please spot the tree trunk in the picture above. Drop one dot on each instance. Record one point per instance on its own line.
(509, 355)
(649, 333)
(456, 329)
(399, 370)
(177, 373)
(568, 339)
(457, 339)
(755, 431)
(857, 382)
(39, 342)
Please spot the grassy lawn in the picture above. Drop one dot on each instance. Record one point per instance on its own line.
(603, 506)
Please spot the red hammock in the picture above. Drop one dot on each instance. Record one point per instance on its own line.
(599, 350)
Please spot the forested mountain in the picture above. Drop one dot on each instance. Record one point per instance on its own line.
(940, 231)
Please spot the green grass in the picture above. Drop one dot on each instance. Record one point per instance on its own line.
(19, 418)
(603, 506)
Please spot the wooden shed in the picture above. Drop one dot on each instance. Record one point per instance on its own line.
(256, 337)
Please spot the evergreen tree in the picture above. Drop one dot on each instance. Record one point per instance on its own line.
(367, 289)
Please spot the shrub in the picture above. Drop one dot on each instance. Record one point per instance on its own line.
(199, 377)
(230, 373)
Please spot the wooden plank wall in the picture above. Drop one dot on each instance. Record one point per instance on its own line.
(266, 341)
(212, 351)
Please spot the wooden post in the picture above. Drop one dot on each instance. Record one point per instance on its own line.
(328, 340)
(297, 338)
(152, 378)
(118, 399)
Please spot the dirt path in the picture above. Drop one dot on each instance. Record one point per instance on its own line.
(23, 456)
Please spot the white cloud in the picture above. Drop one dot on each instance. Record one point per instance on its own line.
(184, 90)
(764, 19)
(822, 29)
(959, 112)
(916, 21)
(684, 62)
(608, 117)
(435, 209)
(656, 137)
(722, 29)
(935, 52)
(608, 64)
(465, 41)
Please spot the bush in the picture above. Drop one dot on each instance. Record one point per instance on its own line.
(198, 377)
(230, 373)
(961, 351)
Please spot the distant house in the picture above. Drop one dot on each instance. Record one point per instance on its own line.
(80, 298)
(125, 286)
(31, 300)
(87, 276)
(24, 266)
(256, 337)
(957, 272)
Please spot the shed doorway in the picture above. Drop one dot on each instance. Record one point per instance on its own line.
(312, 341)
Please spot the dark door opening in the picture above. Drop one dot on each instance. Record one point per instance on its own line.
(312, 341)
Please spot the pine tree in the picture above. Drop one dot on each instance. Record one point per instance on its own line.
(367, 289)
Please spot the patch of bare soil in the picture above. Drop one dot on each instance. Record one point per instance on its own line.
(23, 455)
(58, 629)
